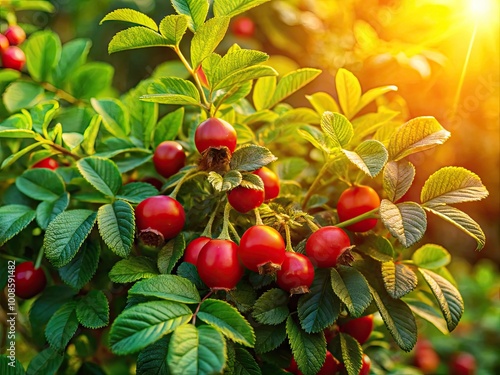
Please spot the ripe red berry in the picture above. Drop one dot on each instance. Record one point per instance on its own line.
(4, 43)
(218, 264)
(262, 249)
(169, 158)
(46, 163)
(29, 281)
(193, 249)
(296, 274)
(331, 365)
(162, 214)
(13, 58)
(271, 182)
(326, 245)
(243, 27)
(355, 201)
(15, 34)
(359, 328)
(426, 358)
(153, 181)
(463, 364)
(215, 132)
(366, 365)
(202, 77)
(243, 199)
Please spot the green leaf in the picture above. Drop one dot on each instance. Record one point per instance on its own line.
(116, 222)
(190, 272)
(168, 127)
(43, 113)
(62, 326)
(268, 338)
(232, 8)
(101, 173)
(136, 37)
(82, 267)
(73, 55)
(66, 234)
(352, 289)
(337, 128)
(245, 363)
(196, 350)
(243, 76)
(19, 95)
(263, 91)
(41, 5)
(317, 138)
(431, 257)
(15, 157)
(133, 269)
(225, 318)
(399, 279)
(230, 180)
(449, 298)
(248, 158)
(462, 221)
(290, 83)
(92, 310)
(195, 10)
(10, 366)
(153, 359)
(233, 62)
(308, 349)
(143, 324)
(370, 156)
(115, 116)
(271, 307)
(290, 168)
(207, 38)
(418, 134)
(173, 28)
(15, 218)
(429, 313)
(398, 177)
(43, 51)
(90, 134)
(47, 361)
(130, 15)
(348, 91)
(136, 192)
(405, 221)
(322, 102)
(378, 248)
(451, 185)
(45, 306)
(172, 90)
(90, 80)
(352, 353)
(72, 140)
(167, 287)
(46, 211)
(320, 307)
(170, 254)
(371, 95)
(41, 184)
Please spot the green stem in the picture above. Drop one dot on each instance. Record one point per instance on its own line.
(312, 225)
(235, 233)
(288, 238)
(55, 146)
(62, 94)
(193, 321)
(39, 258)
(224, 235)
(258, 219)
(207, 232)
(189, 175)
(315, 184)
(367, 215)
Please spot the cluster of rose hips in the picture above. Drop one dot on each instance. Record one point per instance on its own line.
(12, 56)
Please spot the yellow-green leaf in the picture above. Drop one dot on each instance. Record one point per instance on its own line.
(348, 91)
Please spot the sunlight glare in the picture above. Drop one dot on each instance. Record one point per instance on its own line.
(481, 8)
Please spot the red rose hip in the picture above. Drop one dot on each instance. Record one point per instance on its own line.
(29, 281)
(243, 27)
(296, 274)
(13, 58)
(193, 249)
(169, 158)
(162, 214)
(356, 201)
(46, 163)
(271, 182)
(215, 132)
(4, 43)
(326, 245)
(15, 34)
(243, 199)
(359, 328)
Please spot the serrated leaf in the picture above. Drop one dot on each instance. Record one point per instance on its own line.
(322, 102)
(448, 297)
(251, 181)
(348, 92)
(230, 180)
(66, 234)
(73, 55)
(92, 310)
(244, 75)
(370, 156)
(431, 256)
(352, 353)
(219, 68)
(90, 134)
(352, 289)
(170, 254)
(116, 223)
(62, 326)
(90, 80)
(130, 15)
(196, 350)
(371, 95)
(190, 272)
(225, 318)
(43, 51)
(133, 269)
(207, 38)
(271, 307)
(15, 218)
(101, 173)
(398, 177)
(173, 28)
(45, 306)
(47, 361)
(290, 83)
(136, 192)
(41, 184)
(232, 8)
(418, 134)
(251, 157)
(136, 37)
(114, 114)
(167, 287)
(399, 279)
(245, 363)
(195, 10)
(297, 116)
(172, 90)
(405, 221)
(168, 127)
(451, 185)
(268, 338)
(429, 313)
(262, 92)
(143, 324)
(10, 366)
(337, 128)
(316, 138)
(153, 359)
(378, 247)
(320, 307)
(82, 267)
(308, 349)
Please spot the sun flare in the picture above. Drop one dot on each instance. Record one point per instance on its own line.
(482, 9)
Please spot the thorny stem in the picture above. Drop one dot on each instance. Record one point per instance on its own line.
(367, 215)
(198, 307)
(224, 235)
(189, 175)
(315, 184)
(258, 219)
